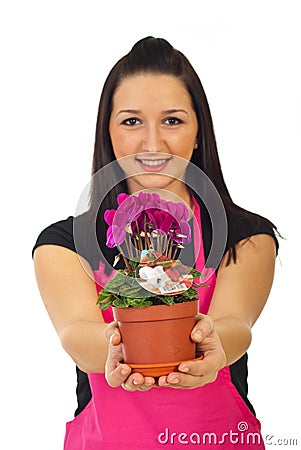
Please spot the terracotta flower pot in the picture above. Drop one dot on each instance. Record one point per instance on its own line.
(156, 339)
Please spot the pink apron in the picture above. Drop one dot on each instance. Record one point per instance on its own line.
(213, 416)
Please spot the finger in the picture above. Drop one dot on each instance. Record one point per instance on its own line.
(181, 381)
(202, 328)
(178, 380)
(137, 382)
(149, 382)
(112, 329)
(162, 381)
(115, 355)
(198, 368)
(117, 376)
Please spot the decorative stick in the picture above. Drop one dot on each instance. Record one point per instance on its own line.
(128, 248)
(124, 259)
(139, 237)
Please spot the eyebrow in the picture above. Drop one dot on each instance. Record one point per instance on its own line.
(167, 111)
(129, 111)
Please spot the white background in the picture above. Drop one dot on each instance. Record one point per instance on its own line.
(55, 57)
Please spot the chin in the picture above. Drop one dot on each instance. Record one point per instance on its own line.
(151, 181)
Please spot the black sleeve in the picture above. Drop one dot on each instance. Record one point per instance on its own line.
(59, 233)
(239, 228)
(251, 226)
(62, 233)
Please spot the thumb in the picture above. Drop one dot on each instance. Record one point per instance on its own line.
(112, 333)
(202, 328)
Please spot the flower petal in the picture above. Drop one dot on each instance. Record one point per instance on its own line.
(109, 216)
(121, 197)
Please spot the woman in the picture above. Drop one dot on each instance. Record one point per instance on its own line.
(153, 113)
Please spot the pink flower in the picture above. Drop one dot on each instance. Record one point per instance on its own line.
(121, 197)
(109, 216)
(182, 211)
(184, 230)
(115, 236)
(147, 212)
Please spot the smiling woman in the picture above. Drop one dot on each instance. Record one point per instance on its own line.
(154, 133)
(152, 121)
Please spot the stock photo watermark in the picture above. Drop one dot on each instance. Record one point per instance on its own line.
(240, 436)
(271, 439)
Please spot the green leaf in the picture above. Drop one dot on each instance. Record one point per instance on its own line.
(120, 303)
(127, 291)
(191, 292)
(196, 274)
(139, 302)
(104, 297)
(104, 306)
(167, 299)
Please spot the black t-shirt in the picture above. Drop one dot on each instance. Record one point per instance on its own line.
(62, 234)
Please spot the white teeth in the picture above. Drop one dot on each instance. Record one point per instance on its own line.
(158, 162)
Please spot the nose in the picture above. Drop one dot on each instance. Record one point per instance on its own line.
(152, 140)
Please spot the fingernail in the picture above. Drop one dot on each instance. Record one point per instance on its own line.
(184, 369)
(198, 335)
(135, 382)
(124, 372)
(174, 380)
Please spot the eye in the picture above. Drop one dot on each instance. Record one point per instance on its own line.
(173, 121)
(131, 121)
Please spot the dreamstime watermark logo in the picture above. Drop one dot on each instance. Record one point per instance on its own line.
(241, 435)
(271, 439)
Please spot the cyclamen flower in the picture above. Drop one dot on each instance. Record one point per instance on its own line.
(115, 236)
(109, 216)
(171, 218)
(182, 233)
(129, 210)
(147, 212)
(121, 197)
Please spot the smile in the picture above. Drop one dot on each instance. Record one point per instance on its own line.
(153, 165)
(150, 162)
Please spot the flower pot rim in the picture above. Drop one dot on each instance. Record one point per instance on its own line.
(156, 312)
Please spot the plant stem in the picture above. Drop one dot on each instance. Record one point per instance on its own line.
(169, 248)
(139, 237)
(135, 247)
(124, 259)
(146, 237)
(165, 238)
(175, 252)
(128, 248)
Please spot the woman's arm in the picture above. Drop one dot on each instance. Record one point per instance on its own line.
(69, 293)
(241, 292)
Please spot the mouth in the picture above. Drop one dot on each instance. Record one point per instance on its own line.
(153, 165)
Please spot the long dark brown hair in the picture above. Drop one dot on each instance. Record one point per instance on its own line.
(157, 56)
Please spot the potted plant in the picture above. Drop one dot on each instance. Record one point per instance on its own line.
(154, 298)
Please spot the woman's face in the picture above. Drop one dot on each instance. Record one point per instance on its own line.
(154, 125)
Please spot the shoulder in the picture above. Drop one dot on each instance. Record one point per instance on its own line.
(77, 234)
(58, 233)
(245, 225)
(242, 225)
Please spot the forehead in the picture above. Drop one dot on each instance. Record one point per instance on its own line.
(156, 89)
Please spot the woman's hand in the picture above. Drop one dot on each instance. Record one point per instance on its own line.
(120, 374)
(191, 374)
(194, 374)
